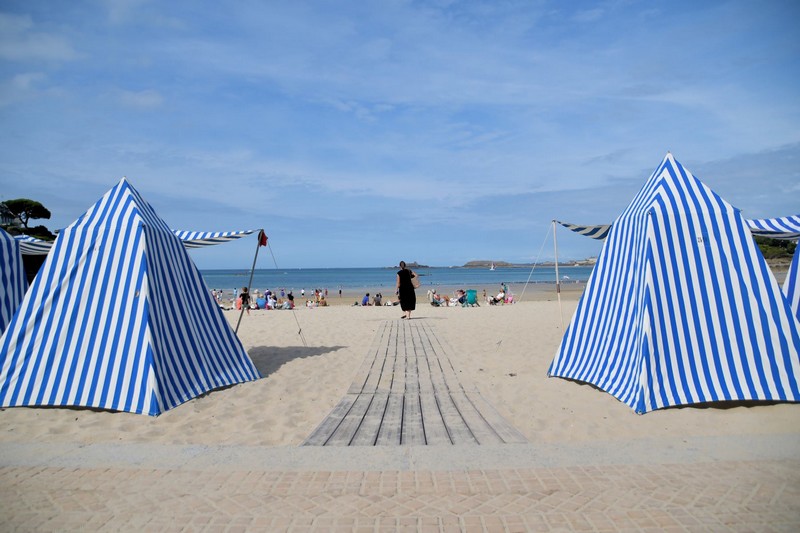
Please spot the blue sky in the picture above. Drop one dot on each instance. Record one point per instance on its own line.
(362, 133)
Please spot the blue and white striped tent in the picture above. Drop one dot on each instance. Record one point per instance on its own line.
(13, 282)
(784, 228)
(118, 318)
(791, 286)
(681, 307)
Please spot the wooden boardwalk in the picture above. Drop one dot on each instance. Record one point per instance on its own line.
(407, 393)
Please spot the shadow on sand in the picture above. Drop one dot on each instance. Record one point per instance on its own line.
(268, 359)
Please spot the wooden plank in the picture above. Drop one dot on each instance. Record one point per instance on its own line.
(457, 427)
(424, 375)
(413, 432)
(478, 426)
(399, 374)
(435, 430)
(412, 375)
(389, 434)
(408, 391)
(329, 424)
(501, 426)
(451, 376)
(375, 355)
(351, 422)
(367, 433)
(386, 375)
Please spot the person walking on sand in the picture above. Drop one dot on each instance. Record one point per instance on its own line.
(405, 290)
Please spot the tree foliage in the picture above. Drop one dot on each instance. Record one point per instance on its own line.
(26, 209)
(775, 248)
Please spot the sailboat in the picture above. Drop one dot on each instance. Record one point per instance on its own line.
(492, 267)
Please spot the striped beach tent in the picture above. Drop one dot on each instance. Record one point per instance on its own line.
(681, 307)
(791, 286)
(13, 283)
(784, 228)
(118, 318)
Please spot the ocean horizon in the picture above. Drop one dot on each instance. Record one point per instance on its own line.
(350, 279)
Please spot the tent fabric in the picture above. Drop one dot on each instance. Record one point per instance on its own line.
(598, 232)
(791, 285)
(191, 239)
(201, 239)
(118, 318)
(681, 307)
(786, 228)
(32, 246)
(13, 282)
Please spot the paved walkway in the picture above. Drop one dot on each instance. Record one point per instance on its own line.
(408, 393)
(687, 485)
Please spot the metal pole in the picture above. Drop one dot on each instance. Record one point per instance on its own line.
(249, 283)
(558, 279)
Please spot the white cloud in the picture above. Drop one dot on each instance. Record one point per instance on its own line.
(147, 99)
(19, 41)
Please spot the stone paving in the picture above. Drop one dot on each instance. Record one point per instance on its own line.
(730, 495)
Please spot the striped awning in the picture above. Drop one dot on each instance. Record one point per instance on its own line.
(201, 239)
(32, 246)
(786, 228)
(191, 239)
(598, 232)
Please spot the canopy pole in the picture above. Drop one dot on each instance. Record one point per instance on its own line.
(252, 271)
(558, 279)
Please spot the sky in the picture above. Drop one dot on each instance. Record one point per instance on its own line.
(365, 133)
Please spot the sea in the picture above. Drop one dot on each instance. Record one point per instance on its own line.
(356, 279)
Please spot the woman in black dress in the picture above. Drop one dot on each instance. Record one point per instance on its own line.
(405, 290)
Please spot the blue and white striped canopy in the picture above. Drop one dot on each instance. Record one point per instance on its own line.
(681, 307)
(118, 318)
(202, 239)
(32, 246)
(13, 282)
(787, 228)
(191, 239)
(598, 232)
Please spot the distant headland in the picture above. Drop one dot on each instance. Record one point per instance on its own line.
(481, 263)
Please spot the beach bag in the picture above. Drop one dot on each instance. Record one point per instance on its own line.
(414, 280)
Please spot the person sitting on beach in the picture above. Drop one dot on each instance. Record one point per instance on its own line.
(377, 299)
(500, 298)
(365, 300)
(322, 302)
(461, 296)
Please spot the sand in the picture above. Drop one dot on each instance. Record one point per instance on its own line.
(504, 350)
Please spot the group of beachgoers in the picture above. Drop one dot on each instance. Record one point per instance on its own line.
(460, 298)
(266, 300)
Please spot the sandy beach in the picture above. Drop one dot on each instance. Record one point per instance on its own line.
(504, 350)
(231, 460)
